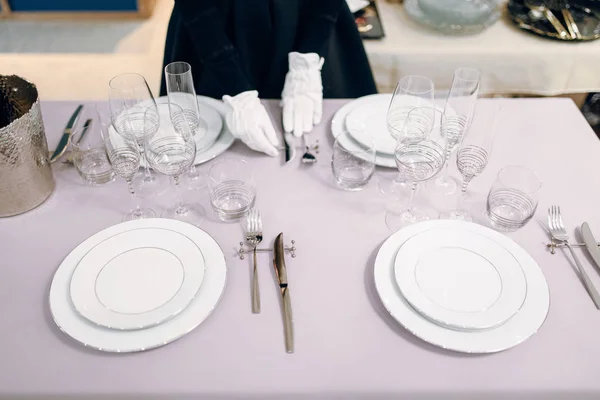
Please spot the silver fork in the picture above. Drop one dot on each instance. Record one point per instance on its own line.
(253, 238)
(559, 233)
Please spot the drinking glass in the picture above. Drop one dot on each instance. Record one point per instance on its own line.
(411, 91)
(124, 156)
(232, 188)
(513, 199)
(89, 154)
(473, 155)
(181, 91)
(171, 150)
(458, 114)
(353, 166)
(419, 162)
(130, 96)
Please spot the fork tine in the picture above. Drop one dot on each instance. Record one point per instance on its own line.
(550, 218)
(253, 219)
(560, 220)
(259, 220)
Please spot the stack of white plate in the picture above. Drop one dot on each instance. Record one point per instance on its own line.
(365, 119)
(461, 286)
(138, 285)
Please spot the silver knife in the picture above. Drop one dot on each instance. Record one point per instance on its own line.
(590, 243)
(66, 137)
(286, 305)
(290, 148)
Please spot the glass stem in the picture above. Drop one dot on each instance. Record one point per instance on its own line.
(413, 190)
(181, 208)
(147, 165)
(463, 191)
(137, 211)
(447, 166)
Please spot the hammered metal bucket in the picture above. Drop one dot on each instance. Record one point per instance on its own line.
(26, 178)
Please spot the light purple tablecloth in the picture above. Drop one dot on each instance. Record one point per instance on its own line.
(347, 346)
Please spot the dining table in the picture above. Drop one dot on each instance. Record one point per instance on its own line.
(347, 346)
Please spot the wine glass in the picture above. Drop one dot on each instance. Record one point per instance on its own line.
(473, 155)
(124, 156)
(129, 98)
(171, 150)
(181, 91)
(411, 91)
(458, 114)
(418, 161)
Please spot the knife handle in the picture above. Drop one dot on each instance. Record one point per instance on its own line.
(586, 279)
(287, 320)
(255, 289)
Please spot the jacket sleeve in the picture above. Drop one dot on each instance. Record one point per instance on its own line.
(206, 30)
(318, 25)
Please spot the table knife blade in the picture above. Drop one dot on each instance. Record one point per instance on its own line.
(66, 137)
(591, 244)
(290, 149)
(286, 305)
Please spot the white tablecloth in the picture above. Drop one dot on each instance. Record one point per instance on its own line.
(511, 60)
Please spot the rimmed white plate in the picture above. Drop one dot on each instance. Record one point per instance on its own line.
(138, 278)
(460, 279)
(517, 329)
(110, 340)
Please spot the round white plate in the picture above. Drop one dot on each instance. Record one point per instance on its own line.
(521, 326)
(137, 279)
(338, 124)
(94, 336)
(460, 279)
(210, 116)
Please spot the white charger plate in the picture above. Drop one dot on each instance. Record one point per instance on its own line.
(338, 124)
(460, 279)
(521, 326)
(110, 340)
(138, 278)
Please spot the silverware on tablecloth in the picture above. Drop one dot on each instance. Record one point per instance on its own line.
(591, 243)
(290, 149)
(552, 246)
(66, 137)
(86, 127)
(286, 305)
(539, 6)
(253, 238)
(559, 233)
(308, 157)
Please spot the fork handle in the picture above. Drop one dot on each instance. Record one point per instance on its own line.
(255, 289)
(586, 279)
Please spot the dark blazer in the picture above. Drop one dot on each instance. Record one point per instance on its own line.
(239, 45)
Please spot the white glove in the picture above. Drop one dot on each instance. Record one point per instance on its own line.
(302, 96)
(249, 122)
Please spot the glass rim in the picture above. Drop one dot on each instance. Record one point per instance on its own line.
(468, 71)
(361, 145)
(187, 66)
(125, 74)
(226, 160)
(421, 77)
(521, 167)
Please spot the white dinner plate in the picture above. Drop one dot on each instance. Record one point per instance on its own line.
(517, 329)
(338, 124)
(460, 279)
(138, 278)
(111, 340)
(367, 121)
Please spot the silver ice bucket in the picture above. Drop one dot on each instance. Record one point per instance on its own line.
(26, 178)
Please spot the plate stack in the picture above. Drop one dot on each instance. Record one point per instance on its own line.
(366, 120)
(138, 285)
(461, 286)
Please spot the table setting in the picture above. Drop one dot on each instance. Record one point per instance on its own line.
(409, 246)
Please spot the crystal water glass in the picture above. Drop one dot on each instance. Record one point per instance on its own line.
(354, 166)
(513, 198)
(89, 154)
(232, 188)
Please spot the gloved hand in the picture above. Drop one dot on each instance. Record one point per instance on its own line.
(302, 96)
(249, 122)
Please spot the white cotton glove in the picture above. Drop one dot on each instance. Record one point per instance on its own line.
(249, 122)
(302, 96)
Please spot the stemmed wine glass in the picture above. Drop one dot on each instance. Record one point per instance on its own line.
(411, 91)
(129, 98)
(124, 156)
(171, 150)
(458, 114)
(181, 91)
(473, 156)
(418, 158)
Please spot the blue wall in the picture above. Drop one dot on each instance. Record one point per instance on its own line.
(73, 5)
